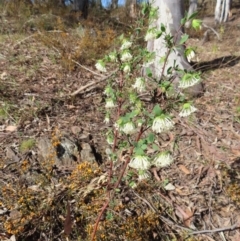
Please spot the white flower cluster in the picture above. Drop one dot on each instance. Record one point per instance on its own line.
(126, 68)
(108, 90)
(110, 103)
(140, 84)
(189, 80)
(106, 119)
(128, 128)
(163, 159)
(187, 110)
(126, 56)
(110, 140)
(100, 65)
(140, 162)
(190, 55)
(112, 56)
(161, 124)
(143, 175)
(151, 34)
(126, 44)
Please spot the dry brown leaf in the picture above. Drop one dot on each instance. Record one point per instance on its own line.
(11, 128)
(186, 214)
(3, 76)
(184, 169)
(212, 151)
(76, 130)
(219, 129)
(236, 150)
(236, 236)
(184, 191)
(179, 191)
(70, 107)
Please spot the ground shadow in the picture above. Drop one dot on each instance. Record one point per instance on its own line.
(222, 62)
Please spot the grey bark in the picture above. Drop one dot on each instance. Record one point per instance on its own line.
(193, 4)
(222, 10)
(114, 4)
(170, 14)
(82, 6)
(131, 6)
(98, 3)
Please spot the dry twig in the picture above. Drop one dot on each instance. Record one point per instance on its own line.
(95, 83)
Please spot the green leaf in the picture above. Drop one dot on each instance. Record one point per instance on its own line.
(140, 142)
(196, 24)
(157, 110)
(184, 38)
(138, 151)
(130, 174)
(192, 16)
(138, 29)
(183, 20)
(135, 144)
(159, 34)
(169, 70)
(155, 147)
(149, 72)
(162, 59)
(121, 37)
(109, 216)
(132, 184)
(150, 138)
(163, 28)
(165, 182)
(144, 147)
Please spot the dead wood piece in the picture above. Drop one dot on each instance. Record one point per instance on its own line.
(95, 83)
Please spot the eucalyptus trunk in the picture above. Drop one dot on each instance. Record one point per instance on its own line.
(170, 14)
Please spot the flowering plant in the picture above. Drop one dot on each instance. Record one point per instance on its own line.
(136, 123)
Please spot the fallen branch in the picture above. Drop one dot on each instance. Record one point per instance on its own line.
(84, 67)
(21, 41)
(83, 88)
(206, 34)
(217, 230)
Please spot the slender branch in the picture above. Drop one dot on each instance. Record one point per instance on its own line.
(84, 67)
(217, 230)
(128, 160)
(112, 192)
(21, 41)
(110, 173)
(82, 88)
(99, 217)
(170, 49)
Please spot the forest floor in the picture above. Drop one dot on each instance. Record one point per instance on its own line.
(38, 100)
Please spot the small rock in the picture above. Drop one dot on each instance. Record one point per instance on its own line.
(87, 153)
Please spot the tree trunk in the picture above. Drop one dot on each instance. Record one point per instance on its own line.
(82, 6)
(99, 4)
(170, 14)
(222, 10)
(114, 4)
(193, 4)
(131, 7)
